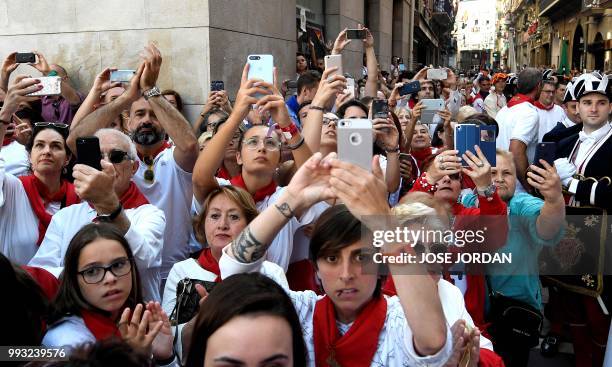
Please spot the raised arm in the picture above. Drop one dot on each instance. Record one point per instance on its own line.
(519, 152)
(8, 66)
(328, 89)
(101, 84)
(104, 116)
(552, 214)
(371, 86)
(364, 194)
(211, 157)
(173, 122)
(67, 91)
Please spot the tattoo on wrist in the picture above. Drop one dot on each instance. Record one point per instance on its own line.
(285, 210)
(247, 248)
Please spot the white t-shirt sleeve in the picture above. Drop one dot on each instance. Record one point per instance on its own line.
(525, 126)
(50, 255)
(230, 266)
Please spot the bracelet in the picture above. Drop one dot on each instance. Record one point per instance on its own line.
(296, 145)
(426, 185)
(285, 210)
(394, 150)
(313, 107)
(291, 129)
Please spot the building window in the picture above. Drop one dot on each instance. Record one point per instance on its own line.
(476, 22)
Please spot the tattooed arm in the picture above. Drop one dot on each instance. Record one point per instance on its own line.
(252, 243)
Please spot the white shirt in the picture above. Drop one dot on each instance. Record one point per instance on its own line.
(549, 119)
(493, 103)
(18, 223)
(519, 122)
(147, 225)
(70, 332)
(281, 248)
(190, 268)
(586, 143)
(395, 341)
(567, 122)
(171, 191)
(16, 159)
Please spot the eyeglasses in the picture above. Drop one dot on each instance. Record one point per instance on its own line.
(96, 274)
(117, 156)
(57, 125)
(327, 121)
(268, 143)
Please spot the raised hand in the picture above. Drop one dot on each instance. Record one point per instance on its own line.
(310, 184)
(246, 96)
(163, 341)
(446, 163)
(546, 181)
(152, 60)
(480, 171)
(340, 43)
(102, 81)
(18, 93)
(329, 87)
(387, 136)
(8, 66)
(96, 187)
(23, 131)
(137, 330)
(41, 65)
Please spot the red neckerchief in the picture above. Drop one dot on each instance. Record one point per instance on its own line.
(358, 346)
(39, 196)
(301, 276)
(208, 262)
(132, 197)
(163, 147)
(223, 173)
(48, 282)
(542, 107)
(6, 141)
(518, 99)
(102, 327)
(259, 194)
(421, 155)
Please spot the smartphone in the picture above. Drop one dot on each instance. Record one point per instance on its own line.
(437, 74)
(410, 88)
(217, 85)
(356, 34)
(88, 152)
(355, 142)
(466, 137)
(350, 87)
(487, 143)
(123, 76)
(545, 151)
(432, 107)
(405, 157)
(25, 57)
(334, 61)
(261, 67)
(51, 86)
(380, 109)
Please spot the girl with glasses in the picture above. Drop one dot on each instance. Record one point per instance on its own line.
(100, 297)
(27, 203)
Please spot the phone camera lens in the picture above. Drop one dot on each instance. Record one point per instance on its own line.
(355, 138)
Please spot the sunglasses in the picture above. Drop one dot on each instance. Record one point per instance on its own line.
(117, 156)
(149, 175)
(56, 125)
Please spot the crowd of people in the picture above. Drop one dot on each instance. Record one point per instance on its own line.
(240, 238)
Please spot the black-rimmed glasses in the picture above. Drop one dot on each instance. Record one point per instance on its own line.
(96, 274)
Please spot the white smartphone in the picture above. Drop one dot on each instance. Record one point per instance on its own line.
(355, 142)
(51, 86)
(334, 61)
(350, 87)
(261, 67)
(123, 76)
(431, 107)
(437, 74)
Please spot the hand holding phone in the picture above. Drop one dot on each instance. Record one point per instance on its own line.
(122, 76)
(410, 88)
(334, 61)
(430, 108)
(217, 85)
(545, 151)
(437, 74)
(356, 34)
(261, 67)
(380, 109)
(355, 142)
(88, 152)
(25, 58)
(51, 86)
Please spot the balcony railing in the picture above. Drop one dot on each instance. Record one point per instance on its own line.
(443, 13)
(595, 6)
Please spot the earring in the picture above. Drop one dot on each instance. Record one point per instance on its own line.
(65, 170)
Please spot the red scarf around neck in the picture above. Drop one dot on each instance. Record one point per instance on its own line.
(542, 107)
(358, 346)
(102, 327)
(421, 155)
(518, 99)
(223, 173)
(132, 197)
(163, 147)
(39, 196)
(6, 141)
(208, 262)
(260, 194)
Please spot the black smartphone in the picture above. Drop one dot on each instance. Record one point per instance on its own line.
(217, 85)
(356, 34)
(545, 151)
(410, 88)
(88, 152)
(380, 109)
(208, 285)
(25, 57)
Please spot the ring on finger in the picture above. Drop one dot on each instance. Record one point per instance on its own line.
(442, 166)
(480, 164)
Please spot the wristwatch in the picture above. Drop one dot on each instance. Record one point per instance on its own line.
(153, 92)
(108, 218)
(487, 192)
